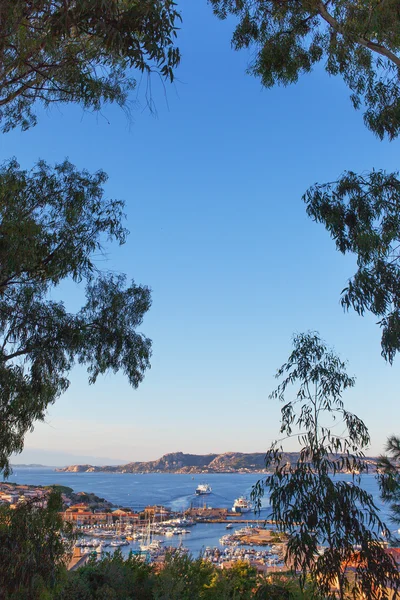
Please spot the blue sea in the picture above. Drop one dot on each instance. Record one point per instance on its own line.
(137, 491)
(175, 491)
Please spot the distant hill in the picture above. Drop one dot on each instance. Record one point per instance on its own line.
(178, 462)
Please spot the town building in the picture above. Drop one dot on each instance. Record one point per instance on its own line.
(125, 516)
(80, 514)
(156, 513)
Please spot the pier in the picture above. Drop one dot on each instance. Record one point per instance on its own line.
(259, 522)
(223, 515)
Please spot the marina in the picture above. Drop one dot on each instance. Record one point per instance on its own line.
(150, 541)
(212, 512)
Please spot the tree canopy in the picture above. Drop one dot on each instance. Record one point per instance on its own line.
(52, 222)
(362, 215)
(389, 477)
(360, 41)
(83, 52)
(54, 219)
(356, 39)
(312, 507)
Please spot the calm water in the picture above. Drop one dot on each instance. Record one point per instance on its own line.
(175, 491)
(137, 491)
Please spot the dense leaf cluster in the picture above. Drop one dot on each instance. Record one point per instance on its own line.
(389, 477)
(83, 52)
(362, 215)
(53, 220)
(357, 39)
(180, 577)
(52, 223)
(325, 519)
(34, 544)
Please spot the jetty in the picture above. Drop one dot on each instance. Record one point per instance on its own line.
(222, 515)
(259, 522)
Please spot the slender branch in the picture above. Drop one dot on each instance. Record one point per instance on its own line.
(42, 342)
(360, 39)
(17, 93)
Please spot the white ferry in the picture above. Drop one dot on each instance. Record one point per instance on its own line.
(242, 505)
(202, 489)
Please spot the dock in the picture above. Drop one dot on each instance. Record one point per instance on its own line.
(223, 515)
(259, 522)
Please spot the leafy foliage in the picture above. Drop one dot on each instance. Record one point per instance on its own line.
(389, 476)
(181, 577)
(285, 587)
(83, 52)
(238, 582)
(357, 39)
(360, 41)
(362, 215)
(307, 502)
(52, 222)
(34, 543)
(113, 577)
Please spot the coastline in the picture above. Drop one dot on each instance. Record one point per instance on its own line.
(180, 463)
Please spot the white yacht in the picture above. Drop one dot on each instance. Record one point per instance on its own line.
(152, 546)
(202, 489)
(242, 505)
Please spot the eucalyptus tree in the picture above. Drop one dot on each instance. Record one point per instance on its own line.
(389, 477)
(325, 517)
(358, 40)
(362, 215)
(52, 224)
(53, 219)
(87, 52)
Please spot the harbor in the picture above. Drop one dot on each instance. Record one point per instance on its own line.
(153, 541)
(159, 498)
(157, 531)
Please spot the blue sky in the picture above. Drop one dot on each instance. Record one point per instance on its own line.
(213, 187)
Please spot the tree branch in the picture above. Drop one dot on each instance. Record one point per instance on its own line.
(360, 39)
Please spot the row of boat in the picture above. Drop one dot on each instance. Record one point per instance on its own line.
(270, 558)
(101, 538)
(90, 546)
(95, 543)
(154, 550)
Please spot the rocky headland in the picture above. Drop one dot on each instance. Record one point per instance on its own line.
(179, 462)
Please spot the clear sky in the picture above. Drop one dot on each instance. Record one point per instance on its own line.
(213, 187)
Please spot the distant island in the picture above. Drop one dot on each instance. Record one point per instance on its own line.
(179, 462)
